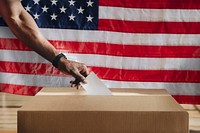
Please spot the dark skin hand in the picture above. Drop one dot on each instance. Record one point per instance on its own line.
(76, 69)
(25, 29)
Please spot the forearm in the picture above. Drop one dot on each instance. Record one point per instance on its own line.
(29, 34)
(25, 29)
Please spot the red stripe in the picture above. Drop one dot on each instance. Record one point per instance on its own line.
(129, 50)
(148, 75)
(187, 99)
(113, 49)
(29, 68)
(12, 44)
(149, 27)
(155, 4)
(32, 90)
(108, 73)
(20, 89)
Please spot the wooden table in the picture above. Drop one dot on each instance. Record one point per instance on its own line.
(9, 104)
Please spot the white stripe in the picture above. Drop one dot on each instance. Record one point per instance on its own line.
(53, 81)
(5, 32)
(21, 56)
(172, 88)
(135, 14)
(137, 63)
(34, 80)
(114, 37)
(109, 61)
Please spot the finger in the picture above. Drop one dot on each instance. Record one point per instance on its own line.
(79, 77)
(77, 81)
(78, 86)
(86, 70)
(83, 70)
(73, 85)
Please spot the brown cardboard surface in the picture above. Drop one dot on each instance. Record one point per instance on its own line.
(101, 103)
(8, 131)
(115, 91)
(103, 114)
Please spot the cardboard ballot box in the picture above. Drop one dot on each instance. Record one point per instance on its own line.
(58, 110)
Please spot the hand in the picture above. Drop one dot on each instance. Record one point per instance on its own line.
(78, 70)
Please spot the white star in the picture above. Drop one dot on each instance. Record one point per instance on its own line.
(89, 18)
(53, 2)
(36, 2)
(53, 16)
(71, 17)
(44, 9)
(36, 16)
(71, 2)
(80, 10)
(28, 8)
(62, 9)
(90, 3)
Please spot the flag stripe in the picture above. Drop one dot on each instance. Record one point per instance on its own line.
(172, 88)
(108, 73)
(31, 68)
(12, 44)
(154, 4)
(55, 81)
(185, 99)
(20, 89)
(148, 75)
(34, 80)
(112, 49)
(149, 27)
(115, 37)
(136, 14)
(109, 61)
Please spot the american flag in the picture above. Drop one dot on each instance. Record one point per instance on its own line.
(147, 44)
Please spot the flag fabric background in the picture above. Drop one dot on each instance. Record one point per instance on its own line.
(147, 44)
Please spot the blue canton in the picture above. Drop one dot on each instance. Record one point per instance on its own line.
(64, 14)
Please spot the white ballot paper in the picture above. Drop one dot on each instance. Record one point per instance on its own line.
(95, 86)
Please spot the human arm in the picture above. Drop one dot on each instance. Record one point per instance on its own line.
(26, 30)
